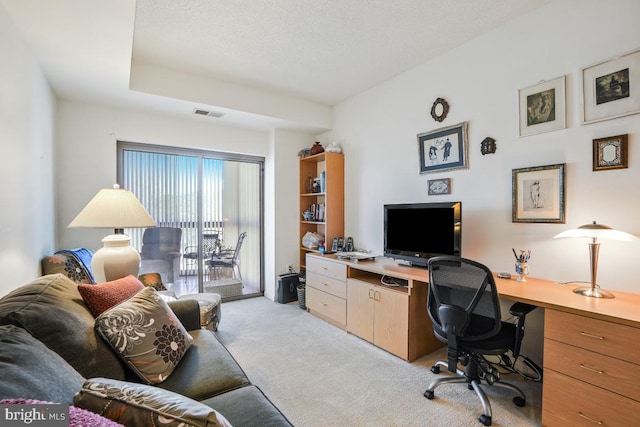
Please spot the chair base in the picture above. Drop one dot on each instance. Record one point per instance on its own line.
(474, 382)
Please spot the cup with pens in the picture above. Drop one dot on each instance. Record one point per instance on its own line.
(522, 264)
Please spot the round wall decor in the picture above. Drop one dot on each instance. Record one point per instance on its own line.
(439, 109)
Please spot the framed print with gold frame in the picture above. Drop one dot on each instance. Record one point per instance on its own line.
(610, 153)
(538, 194)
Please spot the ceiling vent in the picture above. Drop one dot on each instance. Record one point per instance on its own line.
(202, 112)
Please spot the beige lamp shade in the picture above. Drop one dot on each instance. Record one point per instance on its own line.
(118, 209)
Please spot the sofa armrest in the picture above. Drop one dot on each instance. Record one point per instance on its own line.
(188, 312)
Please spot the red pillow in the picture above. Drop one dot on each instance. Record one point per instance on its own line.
(103, 296)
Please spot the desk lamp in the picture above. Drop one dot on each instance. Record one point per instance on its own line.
(595, 231)
(118, 209)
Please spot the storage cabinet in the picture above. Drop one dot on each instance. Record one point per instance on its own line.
(378, 315)
(599, 361)
(328, 201)
(326, 290)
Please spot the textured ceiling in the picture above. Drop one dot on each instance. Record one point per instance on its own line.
(320, 50)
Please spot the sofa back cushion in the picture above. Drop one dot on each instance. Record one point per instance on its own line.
(51, 309)
(29, 370)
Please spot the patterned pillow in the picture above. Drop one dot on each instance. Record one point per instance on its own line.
(152, 279)
(138, 405)
(78, 417)
(147, 335)
(103, 296)
(66, 264)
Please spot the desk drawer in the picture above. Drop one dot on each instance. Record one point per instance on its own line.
(612, 374)
(327, 284)
(328, 268)
(572, 403)
(611, 339)
(327, 305)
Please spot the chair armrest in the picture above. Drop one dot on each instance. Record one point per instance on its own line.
(174, 254)
(188, 312)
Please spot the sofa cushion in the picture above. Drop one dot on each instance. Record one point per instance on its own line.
(103, 296)
(30, 370)
(138, 405)
(206, 370)
(147, 335)
(233, 405)
(78, 417)
(51, 309)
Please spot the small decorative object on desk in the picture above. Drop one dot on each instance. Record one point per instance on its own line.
(522, 264)
(317, 148)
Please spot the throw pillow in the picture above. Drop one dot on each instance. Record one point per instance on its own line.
(147, 335)
(137, 405)
(78, 417)
(103, 296)
(152, 279)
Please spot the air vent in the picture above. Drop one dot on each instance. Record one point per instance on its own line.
(202, 112)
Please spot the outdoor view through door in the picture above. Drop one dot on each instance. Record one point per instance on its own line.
(208, 207)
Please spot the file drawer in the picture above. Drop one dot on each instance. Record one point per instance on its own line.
(326, 305)
(327, 268)
(327, 284)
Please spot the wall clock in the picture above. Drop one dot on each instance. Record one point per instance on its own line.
(439, 109)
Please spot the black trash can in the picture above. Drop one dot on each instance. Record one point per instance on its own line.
(287, 287)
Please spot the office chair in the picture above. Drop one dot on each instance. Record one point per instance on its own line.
(464, 308)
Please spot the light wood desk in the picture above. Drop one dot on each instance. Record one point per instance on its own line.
(591, 346)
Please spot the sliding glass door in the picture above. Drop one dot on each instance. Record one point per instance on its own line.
(215, 199)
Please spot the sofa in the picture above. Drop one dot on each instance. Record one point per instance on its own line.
(52, 350)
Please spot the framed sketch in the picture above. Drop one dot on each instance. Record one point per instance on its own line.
(538, 194)
(439, 186)
(610, 153)
(542, 107)
(611, 88)
(443, 149)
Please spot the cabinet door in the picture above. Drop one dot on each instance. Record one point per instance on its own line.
(391, 324)
(360, 309)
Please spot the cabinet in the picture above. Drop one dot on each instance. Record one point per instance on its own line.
(330, 222)
(378, 315)
(326, 290)
(599, 361)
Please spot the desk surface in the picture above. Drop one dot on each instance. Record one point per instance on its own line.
(624, 308)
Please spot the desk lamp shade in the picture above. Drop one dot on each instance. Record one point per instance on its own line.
(595, 231)
(115, 208)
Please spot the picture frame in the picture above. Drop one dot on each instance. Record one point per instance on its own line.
(443, 149)
(542, 107)
(611, 88)
(538, 194)
(610, 153)
(439, 186)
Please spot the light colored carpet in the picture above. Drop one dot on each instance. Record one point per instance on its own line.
(319, 375)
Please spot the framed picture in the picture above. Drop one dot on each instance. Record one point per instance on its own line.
(542, 107)
(538, 194)
(439, 186)
(610, 153)
(443, 149)
(611, 88)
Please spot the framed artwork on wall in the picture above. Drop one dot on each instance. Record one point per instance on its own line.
(542, 107)
(610, 153)
(443, 149)
(439, 186)
(611, 88)
(538, 194)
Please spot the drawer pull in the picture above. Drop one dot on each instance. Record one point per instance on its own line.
(326, 284)
(597, 371)
(598, 337)
(323, 303)
(590, 419)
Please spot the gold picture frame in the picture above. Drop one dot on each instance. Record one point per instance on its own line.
(610, 153)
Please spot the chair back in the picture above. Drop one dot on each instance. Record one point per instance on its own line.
(157, 242)
(463, 299)
(236, 252)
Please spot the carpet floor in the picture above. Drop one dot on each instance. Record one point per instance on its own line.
(319, 375)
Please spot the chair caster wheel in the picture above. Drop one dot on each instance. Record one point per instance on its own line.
(428, 394)
(435, 369)
(485, 420)
(519, 401)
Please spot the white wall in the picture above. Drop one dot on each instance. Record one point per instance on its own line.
(27, 127)
(480, 81)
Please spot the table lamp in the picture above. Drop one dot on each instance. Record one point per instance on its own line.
(115, 208)
(595, 231)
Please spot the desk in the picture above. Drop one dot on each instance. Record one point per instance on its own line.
(591, 346)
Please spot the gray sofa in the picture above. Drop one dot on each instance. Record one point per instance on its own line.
(49, 347)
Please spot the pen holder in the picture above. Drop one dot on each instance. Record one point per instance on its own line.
(522, 270)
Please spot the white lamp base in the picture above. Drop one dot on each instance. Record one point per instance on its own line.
(115, 260)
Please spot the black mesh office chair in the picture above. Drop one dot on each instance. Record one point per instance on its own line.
(464, 308)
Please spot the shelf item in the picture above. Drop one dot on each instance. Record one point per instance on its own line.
(321, 211)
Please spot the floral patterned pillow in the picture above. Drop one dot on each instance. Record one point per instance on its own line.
(146, 333)
(139, 405)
